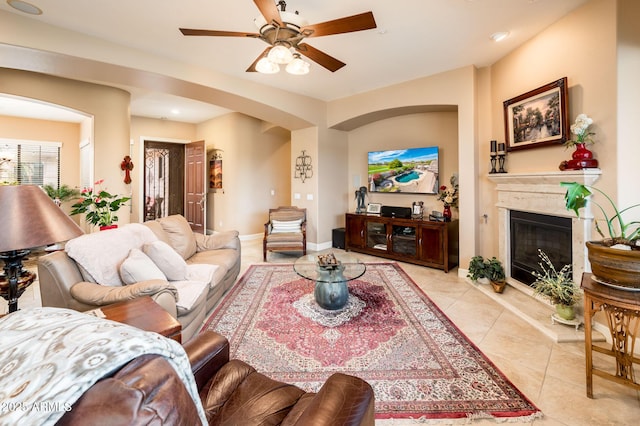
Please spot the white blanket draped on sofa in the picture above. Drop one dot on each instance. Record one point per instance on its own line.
(50, 356)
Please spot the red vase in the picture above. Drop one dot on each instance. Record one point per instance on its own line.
(107, 227)
(581, 158)
(446, 213)
(581, 153)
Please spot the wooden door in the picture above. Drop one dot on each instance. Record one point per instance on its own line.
(354, 233)
(195, 204)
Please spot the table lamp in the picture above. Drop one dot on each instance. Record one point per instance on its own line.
(28, 219)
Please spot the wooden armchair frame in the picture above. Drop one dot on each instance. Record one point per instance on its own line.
(285, 241)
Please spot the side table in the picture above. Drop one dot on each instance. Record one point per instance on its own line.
(622, 310)
(145, 314)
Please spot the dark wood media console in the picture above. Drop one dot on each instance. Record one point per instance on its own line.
(422, 242)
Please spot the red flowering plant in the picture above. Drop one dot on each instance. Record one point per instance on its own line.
(98, 205)
(449, 196)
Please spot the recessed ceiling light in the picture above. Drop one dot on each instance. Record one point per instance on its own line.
(175, 111)
(25, 7)
(499, 36)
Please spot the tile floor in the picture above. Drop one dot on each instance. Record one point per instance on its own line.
(550, 374)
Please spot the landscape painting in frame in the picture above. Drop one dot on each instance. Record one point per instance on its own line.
(407, 171)
(537, 118)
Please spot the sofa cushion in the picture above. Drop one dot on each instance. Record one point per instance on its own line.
(167, 259)
(139, 267)
(180, 235)
(189, 291)
(101, 253)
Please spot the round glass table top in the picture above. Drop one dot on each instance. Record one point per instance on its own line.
(348, 268)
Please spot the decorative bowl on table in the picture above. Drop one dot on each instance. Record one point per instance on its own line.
(328, 261)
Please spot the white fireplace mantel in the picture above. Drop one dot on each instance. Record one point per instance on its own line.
(541, 193)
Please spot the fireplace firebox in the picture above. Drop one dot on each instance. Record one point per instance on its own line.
(533, 231)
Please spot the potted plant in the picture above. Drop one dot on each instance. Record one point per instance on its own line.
(99, 206)
(60, 194)
(615, 260)
(557, 286)
(478, 270)
(496, 275)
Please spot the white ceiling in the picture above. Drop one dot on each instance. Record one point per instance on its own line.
(414, 38)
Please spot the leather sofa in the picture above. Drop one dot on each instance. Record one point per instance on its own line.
(147, 391)
(66, 283)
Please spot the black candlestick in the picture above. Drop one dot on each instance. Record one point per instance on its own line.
(493, 163)
(501, 158)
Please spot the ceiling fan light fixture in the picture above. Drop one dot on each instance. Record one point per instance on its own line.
(298, 66)
(280, 54)
(265, 66)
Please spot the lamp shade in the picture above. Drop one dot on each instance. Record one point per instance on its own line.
(29, 218)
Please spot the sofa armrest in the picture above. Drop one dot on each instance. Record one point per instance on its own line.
(342, 400)
(228, 239)
(100, 295)
(207, 353)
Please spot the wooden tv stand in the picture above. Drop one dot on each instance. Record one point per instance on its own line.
(422, 242)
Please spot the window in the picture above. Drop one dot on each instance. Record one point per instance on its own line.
(30, 162)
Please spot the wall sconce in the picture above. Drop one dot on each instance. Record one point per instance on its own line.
(303, 167)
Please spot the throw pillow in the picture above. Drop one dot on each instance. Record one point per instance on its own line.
(180, 235)
(167, 259)
(280, 226)
(139, 267)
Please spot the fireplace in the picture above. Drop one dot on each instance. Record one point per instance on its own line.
(541, 193)
(532, 231)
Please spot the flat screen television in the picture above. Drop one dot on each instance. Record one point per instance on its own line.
(406, 171)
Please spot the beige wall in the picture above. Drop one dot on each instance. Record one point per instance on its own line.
(599, 57)
(108, 106)
(255, 161)
(410, 131)
(582, 47)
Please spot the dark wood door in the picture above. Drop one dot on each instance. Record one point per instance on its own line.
(354, 232)
(195, 189)
(432, 243)
(163, 179)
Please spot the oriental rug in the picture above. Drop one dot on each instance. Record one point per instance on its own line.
(420, 365)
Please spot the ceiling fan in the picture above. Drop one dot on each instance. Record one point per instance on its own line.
(284, 31)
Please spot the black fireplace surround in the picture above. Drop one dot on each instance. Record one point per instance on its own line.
(533, 231)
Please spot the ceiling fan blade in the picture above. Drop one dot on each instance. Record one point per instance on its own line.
(321, 58)
(252, 67)
(269, 10)
(363, 21)
(192, 32)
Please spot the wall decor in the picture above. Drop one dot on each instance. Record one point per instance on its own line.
(215, 170)
(126, 165)
(538, 118)
(303, 166)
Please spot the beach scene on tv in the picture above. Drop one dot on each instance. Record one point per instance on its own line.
(413, 170)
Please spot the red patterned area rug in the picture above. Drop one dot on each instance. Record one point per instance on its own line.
(390, 333)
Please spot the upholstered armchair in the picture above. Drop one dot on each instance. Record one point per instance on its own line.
(285, 230)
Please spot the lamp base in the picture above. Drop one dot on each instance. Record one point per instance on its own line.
(15, 280)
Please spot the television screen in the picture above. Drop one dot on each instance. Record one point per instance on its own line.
(407, 171)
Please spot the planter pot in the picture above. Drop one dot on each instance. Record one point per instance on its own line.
(483, 280)
(565, 312)
(498, 286)
(107, 227)
(618, 268)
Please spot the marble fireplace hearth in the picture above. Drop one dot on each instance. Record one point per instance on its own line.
(540, 193)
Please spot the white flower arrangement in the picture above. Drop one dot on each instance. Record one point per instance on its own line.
(580, 128)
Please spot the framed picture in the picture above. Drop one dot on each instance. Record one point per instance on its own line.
(374, 208)
(538, 118)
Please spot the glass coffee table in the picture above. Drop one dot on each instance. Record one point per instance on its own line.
(331, 291)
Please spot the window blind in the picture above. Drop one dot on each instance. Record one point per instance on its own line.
(30, 163)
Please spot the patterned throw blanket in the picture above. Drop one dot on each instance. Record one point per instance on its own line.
(50, 356)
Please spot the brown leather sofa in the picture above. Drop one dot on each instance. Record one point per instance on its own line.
(148, 391)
